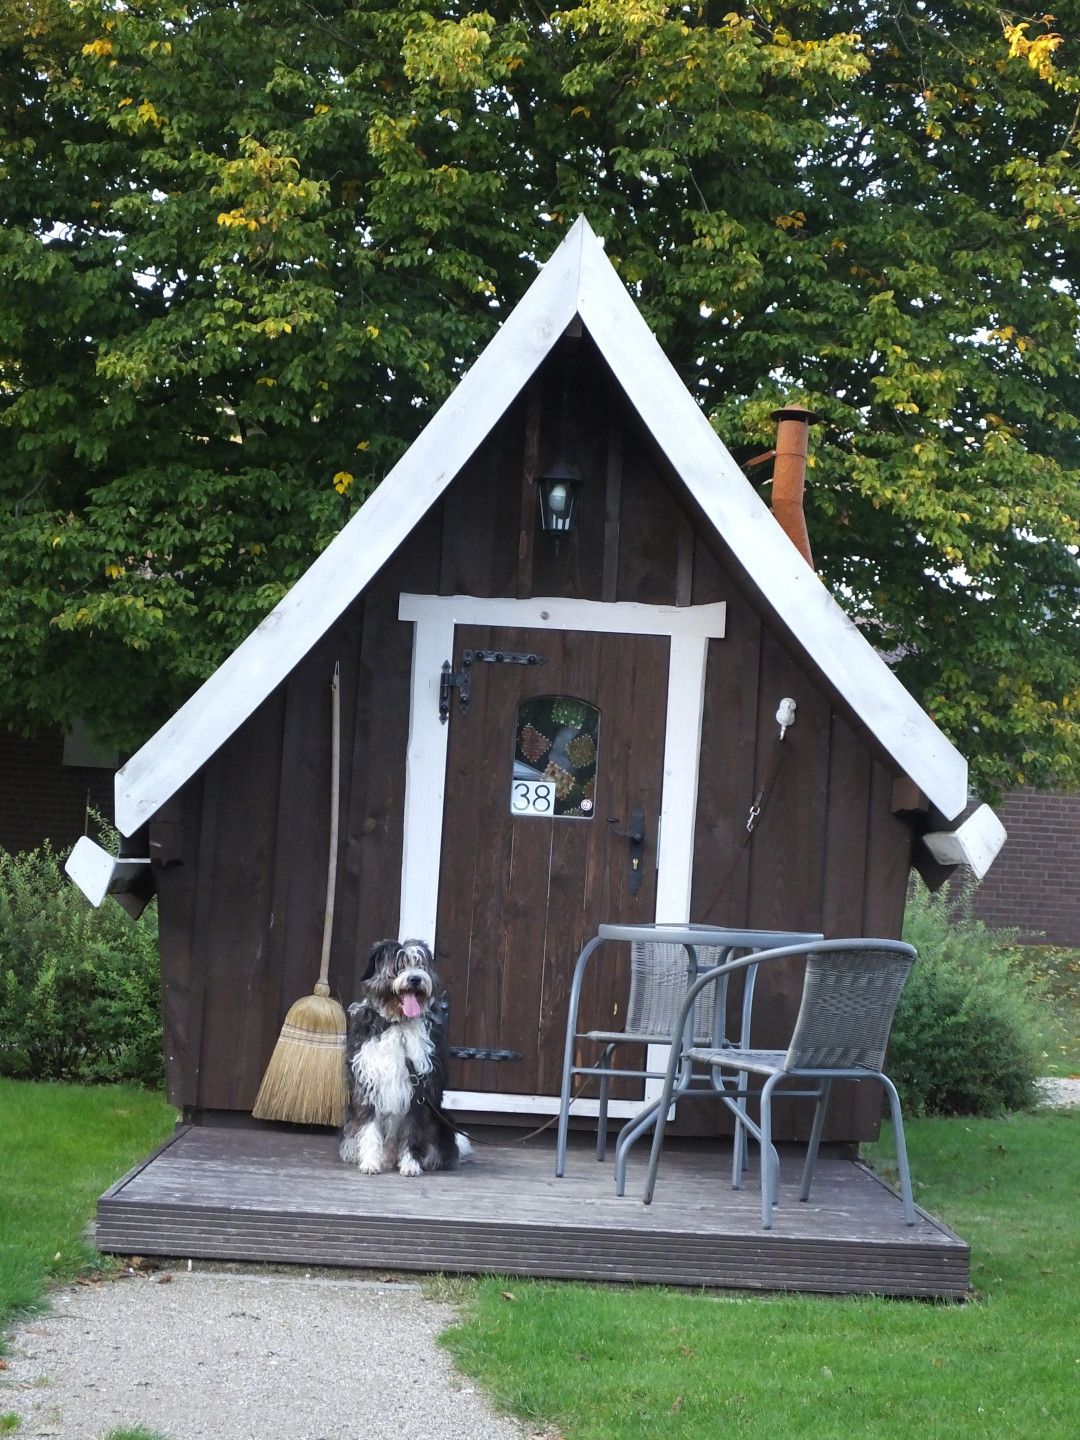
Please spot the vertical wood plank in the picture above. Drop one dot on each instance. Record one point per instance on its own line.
(612, 500)
(482, 514)
(728, 751)
(180, 900)
(529, 470)
(649, 527)
(234, 933)
(684, 565)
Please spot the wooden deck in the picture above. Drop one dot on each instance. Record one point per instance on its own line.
(275, 1195)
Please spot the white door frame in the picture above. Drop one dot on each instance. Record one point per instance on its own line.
(434, 618)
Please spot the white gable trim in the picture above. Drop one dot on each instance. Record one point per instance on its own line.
(578, 279)
(705, 465)
(240, 685)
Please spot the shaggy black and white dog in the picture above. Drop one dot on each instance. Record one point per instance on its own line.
(396, 1051)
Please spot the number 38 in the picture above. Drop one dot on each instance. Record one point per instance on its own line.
(532, 797)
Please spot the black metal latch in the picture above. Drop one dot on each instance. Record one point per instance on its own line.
(461, 681)
(634, 835)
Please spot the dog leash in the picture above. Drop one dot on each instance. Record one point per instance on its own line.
(532, 1134)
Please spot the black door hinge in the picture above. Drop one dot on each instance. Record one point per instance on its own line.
(461, 681)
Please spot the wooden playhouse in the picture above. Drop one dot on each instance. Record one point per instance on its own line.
(565, 604)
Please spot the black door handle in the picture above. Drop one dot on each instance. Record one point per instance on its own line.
(635, 835)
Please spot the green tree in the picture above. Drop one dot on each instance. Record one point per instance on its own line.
(246, 248)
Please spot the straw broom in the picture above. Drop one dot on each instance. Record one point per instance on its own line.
(305, 1079)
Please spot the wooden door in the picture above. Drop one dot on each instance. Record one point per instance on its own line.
(520, 893)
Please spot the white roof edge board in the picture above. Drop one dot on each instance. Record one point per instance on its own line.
(96, 872)
(975, 843)
(706, 467)
(578, 279)
(334, 579)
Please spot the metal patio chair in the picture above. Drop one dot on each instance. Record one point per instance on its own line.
(664, 960)
(849, 997)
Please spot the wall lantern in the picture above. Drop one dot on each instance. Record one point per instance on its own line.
(558, 491)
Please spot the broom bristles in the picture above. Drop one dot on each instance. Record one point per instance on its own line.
(305, 1079)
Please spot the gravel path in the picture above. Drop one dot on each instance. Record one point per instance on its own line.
(1060, 1094)
(220, 1356)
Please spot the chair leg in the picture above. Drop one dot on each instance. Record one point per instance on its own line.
(564, 1125)
(602, 1112)
(629, 1135)
(740, 1147)
(901, 1149)
(770, 1160)
(568, 1054)
(678, 1071)
(814, 1142)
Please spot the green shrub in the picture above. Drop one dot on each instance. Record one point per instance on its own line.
(965, 1040)
(80, 989)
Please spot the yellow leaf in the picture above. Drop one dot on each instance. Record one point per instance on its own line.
(237, 217)
(98, 47)
(127, 100)
(322, 110)
(342, 481)
(363, 445)
(265, 380)
(581, 110)
(114, 571)
(373, 331)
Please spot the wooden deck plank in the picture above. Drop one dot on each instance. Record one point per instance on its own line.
(278, 1196)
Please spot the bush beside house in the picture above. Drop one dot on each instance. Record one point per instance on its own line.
(80, 990)
(966, 1036)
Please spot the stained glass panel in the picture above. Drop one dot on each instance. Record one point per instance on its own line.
(555, 752)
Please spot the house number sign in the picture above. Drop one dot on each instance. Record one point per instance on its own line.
(532, 797)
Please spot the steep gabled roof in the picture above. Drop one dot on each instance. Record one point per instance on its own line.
(577, 280)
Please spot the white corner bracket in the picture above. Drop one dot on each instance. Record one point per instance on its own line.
(974, 843)
(97, 873)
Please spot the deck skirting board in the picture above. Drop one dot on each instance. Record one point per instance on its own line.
(744, 1262)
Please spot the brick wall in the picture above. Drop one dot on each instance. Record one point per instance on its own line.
(1034, 884)
(41, 797)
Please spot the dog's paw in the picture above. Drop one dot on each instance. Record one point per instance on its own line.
(369, 1167)
(409, 1165)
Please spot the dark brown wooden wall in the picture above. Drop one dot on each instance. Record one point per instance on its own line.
(243, 848)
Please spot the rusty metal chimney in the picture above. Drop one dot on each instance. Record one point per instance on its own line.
(789, 474)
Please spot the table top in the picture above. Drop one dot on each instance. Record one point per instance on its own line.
(693, 933)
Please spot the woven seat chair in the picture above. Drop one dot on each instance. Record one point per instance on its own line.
(660, 971)
(850, 992)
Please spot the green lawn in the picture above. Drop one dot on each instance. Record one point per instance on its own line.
(605, 1363)
(60, 1147)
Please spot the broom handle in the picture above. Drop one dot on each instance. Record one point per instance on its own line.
(323, 986)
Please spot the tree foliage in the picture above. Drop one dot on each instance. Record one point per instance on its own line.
(246, 248)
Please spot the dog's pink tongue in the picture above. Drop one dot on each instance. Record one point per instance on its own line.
(410, 1005)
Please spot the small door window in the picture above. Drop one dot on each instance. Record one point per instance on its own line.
(555, 750)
